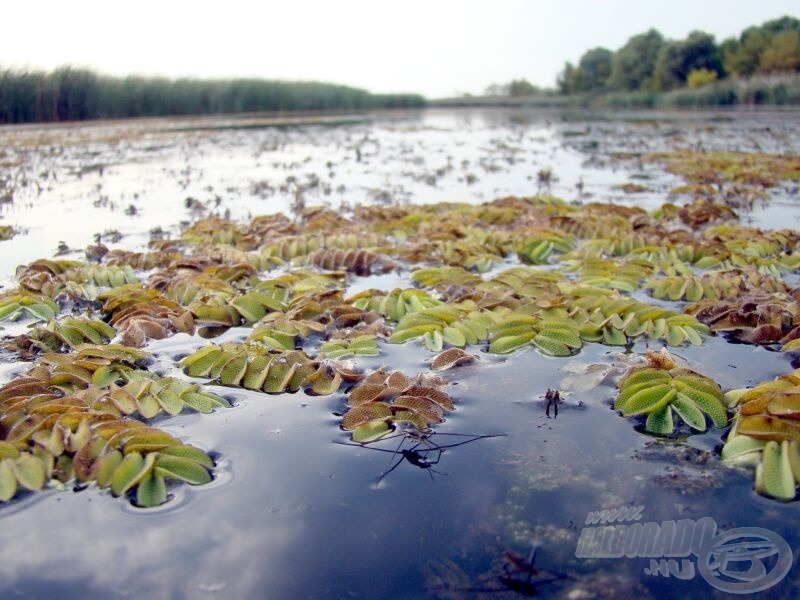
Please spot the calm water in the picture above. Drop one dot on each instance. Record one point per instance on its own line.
(295, 513)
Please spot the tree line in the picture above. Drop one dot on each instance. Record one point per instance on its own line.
(649, 62)
(68, 94)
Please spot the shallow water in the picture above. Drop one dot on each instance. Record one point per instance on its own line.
(294, 511)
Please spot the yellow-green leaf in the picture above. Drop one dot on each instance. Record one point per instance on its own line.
(660, 420)
(28, 470)
(778, 480)
(131, 471)
(649, 399)
(184, 469)
(152, 491)
(8, 483)
(371, 431)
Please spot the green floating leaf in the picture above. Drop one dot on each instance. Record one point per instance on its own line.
(689, 412)
(152, 491)
(199, 363)
(371, 431)
(199, 402)
(649, 399)
(776, 475)
(188, 452)
(504, 345)
(8, 482)
(106, 467)
(548, 345)
(181, 468)
(649, 390)
(29, 471)
(741, 446)
(131, 471)
(645, 375)
(706, 402)
(660, 421)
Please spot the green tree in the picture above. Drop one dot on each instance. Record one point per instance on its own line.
(782, 55)
(591, 74)
(677, 59)
(521, 87)
(595, 69)
(633, 64)
(743, 56)
(568, 80)
(776, 26)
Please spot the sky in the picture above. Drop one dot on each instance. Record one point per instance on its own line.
(434, 47)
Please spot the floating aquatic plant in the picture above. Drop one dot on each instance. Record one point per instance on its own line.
(362, 345)
(291, 248)
(757, 169)
(452, 357)
(358, 261)
(581, 267)
(57, 424)
(395, 304)
(755, 318)
(716, 285)
(7, 232)
(50, 277)
(554, 335)
(614, 320)
(15, 305)
(537, 249)
(257, 368)
(139, 313)
(65, 333)
(766, 434)
(454, 325)
(434, 276)
(384, 401)
(625, 276)
(661, 394)
(281, 333)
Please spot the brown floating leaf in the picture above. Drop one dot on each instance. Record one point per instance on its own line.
(768, 428)
(368, 392)
(397, 380)
(452, 357)
(425, 407)
(365, 413)
(358, 261)
(437, 396)
(785, 405)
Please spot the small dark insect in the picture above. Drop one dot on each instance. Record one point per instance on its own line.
(553, 397)
(518, 575)
(421, 451)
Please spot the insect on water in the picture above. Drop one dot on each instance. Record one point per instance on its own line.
(417, 448)
(519, 575)
(553, 397)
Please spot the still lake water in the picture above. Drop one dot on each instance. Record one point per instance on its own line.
(295, 513)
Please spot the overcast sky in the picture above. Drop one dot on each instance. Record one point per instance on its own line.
(435, 47)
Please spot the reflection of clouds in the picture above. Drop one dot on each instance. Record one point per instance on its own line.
(292, 515)
(224, 535)
(88, 538)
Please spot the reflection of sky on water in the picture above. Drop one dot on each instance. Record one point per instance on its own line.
(294, 515)
(73, 193)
